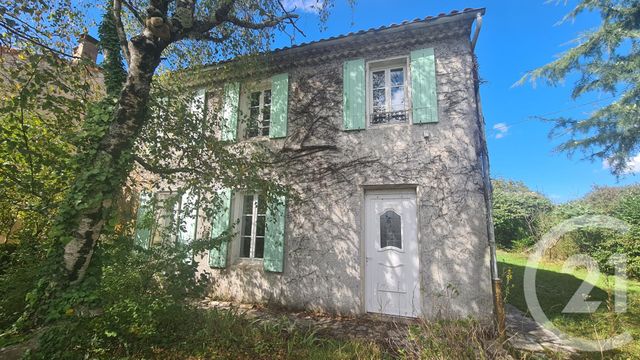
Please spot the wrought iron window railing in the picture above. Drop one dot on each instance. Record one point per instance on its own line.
(389, 117)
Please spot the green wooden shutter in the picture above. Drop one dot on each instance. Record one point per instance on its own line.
(144, 221)
(274, 236)
(219, 224)
(423, 85)
(354, 95)
(230, 111)
(279, 105)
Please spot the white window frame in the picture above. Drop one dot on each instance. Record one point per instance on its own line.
(254, 225)
(245, 107)
(388, 64)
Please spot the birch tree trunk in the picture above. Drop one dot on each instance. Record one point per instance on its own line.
(112, 161)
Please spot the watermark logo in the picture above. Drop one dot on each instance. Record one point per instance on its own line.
(579, 302)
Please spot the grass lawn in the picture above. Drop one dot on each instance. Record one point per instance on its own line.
(555, 288)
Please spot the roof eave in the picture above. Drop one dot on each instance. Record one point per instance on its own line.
(467, 14)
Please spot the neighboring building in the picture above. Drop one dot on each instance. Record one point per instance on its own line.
(392, 218)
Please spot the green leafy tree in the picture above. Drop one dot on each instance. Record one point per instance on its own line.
(607, 60)
(44, 101)
(516, 212)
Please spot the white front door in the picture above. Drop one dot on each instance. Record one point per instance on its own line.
(392, 284)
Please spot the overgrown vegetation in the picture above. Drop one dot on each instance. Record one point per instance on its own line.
(462, 339)
(554, 288)
(523, 216)
(141, 304)
(517, 212)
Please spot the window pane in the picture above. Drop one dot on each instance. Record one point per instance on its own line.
(246, 225)
(247, 204)
(262, 205)
(397, 77)
(245, 247)
(378, 79)
(378, 118)
(266, 120)
(252, 131)
(252, 123)
(397, 98)
(379, 98)
(253, 112)
(260, 225)
(254, 99)
(259, 250)
(390, 230)
(267, 97)
(398, 116)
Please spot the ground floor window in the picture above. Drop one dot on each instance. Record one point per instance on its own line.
(253, 225)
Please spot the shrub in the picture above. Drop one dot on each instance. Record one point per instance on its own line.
(130, 301)
(19, 272)
(516, 210)
(602, 244)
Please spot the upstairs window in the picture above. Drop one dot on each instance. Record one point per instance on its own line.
(259, 113)
(254, 211)
(388, 99)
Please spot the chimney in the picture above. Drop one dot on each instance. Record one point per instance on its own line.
(87, 48)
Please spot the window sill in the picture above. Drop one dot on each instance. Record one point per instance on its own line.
(247, 263)
(383, 126)
(256, 139)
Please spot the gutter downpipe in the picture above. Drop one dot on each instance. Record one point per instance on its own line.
(476, 32)
(496, 282)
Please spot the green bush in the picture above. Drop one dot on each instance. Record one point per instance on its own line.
(130, 301)
(516, 210)
(19, 271)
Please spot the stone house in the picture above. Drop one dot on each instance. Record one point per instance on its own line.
(393, 217)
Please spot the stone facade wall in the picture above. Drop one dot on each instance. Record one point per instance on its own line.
(324, 258)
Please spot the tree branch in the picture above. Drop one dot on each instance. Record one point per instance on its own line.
(117, 16)
(293, 23)
(161, 170)
(134, 11)
(34, 40)
(208, 37)
(261, 25)
(204, 26)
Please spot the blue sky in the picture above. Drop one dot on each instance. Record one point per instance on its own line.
(516, 36)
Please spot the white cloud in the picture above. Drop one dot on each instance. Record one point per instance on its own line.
(312, 6)
(633, 165)
(501, 130)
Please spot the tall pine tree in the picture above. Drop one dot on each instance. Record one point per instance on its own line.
(608, 61)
